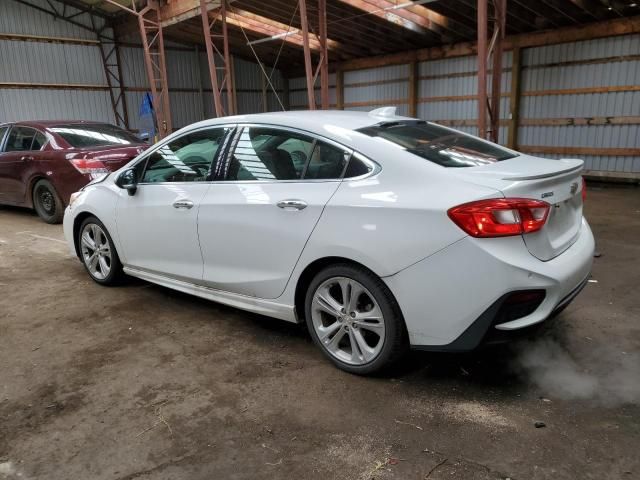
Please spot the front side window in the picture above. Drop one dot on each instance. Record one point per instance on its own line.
(185, 159)
(83, 135)
(268, 154)
(437, 144)
(20, 139)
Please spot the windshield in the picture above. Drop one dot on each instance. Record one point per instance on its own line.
(437, 144)
(94, 135)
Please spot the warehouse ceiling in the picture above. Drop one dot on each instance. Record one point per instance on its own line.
(358, 28)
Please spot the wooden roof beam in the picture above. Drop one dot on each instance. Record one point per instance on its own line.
(589, 31)
(176, 11)
(265, 26)
(416, 18)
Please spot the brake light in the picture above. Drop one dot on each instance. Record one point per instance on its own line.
(584, 189)
(500, 217)
(89, 165)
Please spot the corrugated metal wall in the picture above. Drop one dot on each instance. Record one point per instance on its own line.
(582, 68)
(39, 62)
(34, 62)
(577, 99)
(581, 99)
(298, 92)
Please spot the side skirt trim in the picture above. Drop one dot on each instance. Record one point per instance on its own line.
(243, 302)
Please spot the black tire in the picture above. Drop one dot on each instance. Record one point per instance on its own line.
(396, 343)
(115, 273)
(47, 202)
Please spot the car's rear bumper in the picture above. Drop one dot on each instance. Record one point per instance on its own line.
(454, 300)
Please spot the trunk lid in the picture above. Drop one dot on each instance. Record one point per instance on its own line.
(557, 182)
(113, 157)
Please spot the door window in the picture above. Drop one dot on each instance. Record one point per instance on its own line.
(185, 159)
(39, 141)
(268, 154)
(20, 139)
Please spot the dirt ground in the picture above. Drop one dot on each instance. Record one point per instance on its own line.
(140, 382)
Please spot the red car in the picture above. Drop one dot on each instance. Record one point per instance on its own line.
(43, 162)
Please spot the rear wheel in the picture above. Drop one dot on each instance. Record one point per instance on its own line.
(354, 319)
(98, 253)
(47, 203)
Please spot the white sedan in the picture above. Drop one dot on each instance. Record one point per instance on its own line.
(380, 232)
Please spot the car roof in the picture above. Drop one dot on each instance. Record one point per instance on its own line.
(52, 123)
(313, 120)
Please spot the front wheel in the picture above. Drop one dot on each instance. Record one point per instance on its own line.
(354, 319)
(98, 253)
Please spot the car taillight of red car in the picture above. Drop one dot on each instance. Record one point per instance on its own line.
(89, 166)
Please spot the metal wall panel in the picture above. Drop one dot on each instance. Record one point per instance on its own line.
(542, 72)
(298, 93)
(18, 18)
(40, 62)
(37, 62)
(458, 77)
(32, 104)
(387, 91)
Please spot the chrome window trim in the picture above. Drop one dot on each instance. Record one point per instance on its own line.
(28, 127)
(6, 135)
(375, 167)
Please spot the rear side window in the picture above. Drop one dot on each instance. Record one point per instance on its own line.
(437, 144)
(38, 141)
(94, 135)
(268, 154)
(20, 139)
(326, 162)
(358, 166)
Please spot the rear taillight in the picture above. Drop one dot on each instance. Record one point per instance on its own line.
(89, 165)
(584, 189)
(500, 217)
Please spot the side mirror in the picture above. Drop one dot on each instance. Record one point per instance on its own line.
(128, 181)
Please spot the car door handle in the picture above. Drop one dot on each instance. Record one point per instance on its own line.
(293, 204)
(187, 204)
(26, 158)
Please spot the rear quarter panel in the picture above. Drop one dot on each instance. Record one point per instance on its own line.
(391, 220)
(52, 165)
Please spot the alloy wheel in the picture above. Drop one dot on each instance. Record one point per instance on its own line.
(348, 320)
(96, 251)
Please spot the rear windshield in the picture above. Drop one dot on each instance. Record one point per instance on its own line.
(94, 135)
(438, 144)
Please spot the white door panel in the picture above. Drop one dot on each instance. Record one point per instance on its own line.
(158, 228)
(250, 245)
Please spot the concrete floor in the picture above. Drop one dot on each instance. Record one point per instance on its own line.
(140, 382)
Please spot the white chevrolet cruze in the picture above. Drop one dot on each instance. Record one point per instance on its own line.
(380, 232)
